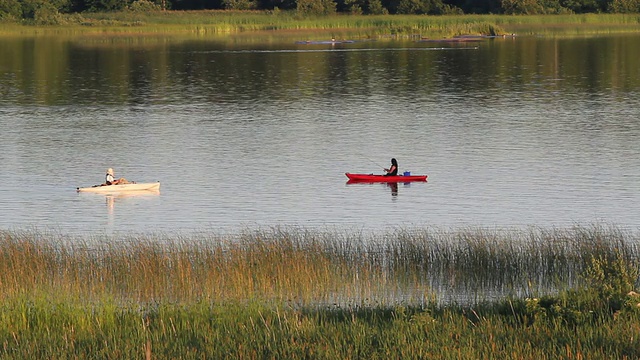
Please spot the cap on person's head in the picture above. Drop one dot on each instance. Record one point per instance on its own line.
(110, 171)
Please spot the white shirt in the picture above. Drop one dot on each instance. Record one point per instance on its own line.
(109, 179)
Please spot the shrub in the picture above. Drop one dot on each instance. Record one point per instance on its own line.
(608, 290)
(316, 7)
(353, 7)
(376, 8)
(624, 6)
(412, 7)
(611, 279)
(47, 14)
(239, 4)
(533, 7)
(10, 9)
(107, 5)
(447, 9)
(142, 6)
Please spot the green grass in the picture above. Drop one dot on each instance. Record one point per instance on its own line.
(300, 294)
(45, 329)
(210, 23)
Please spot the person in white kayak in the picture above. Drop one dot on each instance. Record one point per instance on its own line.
(110, 180)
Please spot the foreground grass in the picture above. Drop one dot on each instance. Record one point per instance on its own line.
(210, 23)
(294, 293)
(40, 328)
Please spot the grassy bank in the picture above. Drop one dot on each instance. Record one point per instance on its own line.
(295, 293)
(209, 23)
(44, 329)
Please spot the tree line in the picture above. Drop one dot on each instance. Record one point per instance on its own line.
(13, 10)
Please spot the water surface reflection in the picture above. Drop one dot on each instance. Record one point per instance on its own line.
(529, 131)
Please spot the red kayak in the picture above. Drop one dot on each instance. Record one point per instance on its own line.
(382, 178)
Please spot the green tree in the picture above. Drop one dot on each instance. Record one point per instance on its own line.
(10, 9)
(142, 6)
(316, 7)
(375, 7)
(107, 5)
(624, 6)
(532, 7)
(521, 7)
(475, 6)
(354, 6)
(585, 6)
(412, 7)
(580, 6)
(435, 7)
(47, 14)
(279, 4)
(240, 4)
(42, 11)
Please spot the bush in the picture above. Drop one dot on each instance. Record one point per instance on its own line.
(10, 10)
(611, 280)
(376, 8)
(608, 290)
(353, 7)
(447, 9)
(624, 6)
(316, 7)
(47, 14)
(107, 5)
(412, 7)
(143, 6)
(533, 7)
(239, 4)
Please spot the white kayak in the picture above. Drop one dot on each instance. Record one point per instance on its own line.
(107, 189)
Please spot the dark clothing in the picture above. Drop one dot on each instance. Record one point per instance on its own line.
(393, 170)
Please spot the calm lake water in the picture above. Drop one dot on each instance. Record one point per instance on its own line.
(512, 132)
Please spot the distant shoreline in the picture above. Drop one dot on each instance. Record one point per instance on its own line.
(228, 23)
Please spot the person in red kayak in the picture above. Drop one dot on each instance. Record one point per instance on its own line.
(393, 170)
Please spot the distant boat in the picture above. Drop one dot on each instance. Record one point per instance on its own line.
(110, 189)
(467, 38)
(324, 42)
(452, 40)
(353, 178)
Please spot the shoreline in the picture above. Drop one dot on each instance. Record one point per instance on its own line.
(223, 24)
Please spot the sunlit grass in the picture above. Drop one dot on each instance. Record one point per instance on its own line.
(305, 266)
(211, 23)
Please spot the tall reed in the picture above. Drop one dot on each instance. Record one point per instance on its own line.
(267, 294)
(305, 266)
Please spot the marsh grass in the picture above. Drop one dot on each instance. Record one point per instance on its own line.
(308, 266)
(211, 23)
(270, 294)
